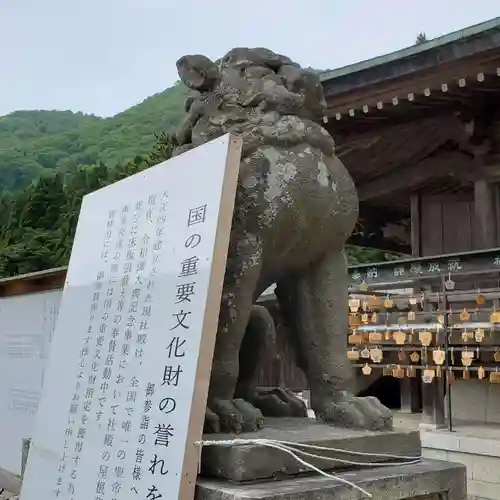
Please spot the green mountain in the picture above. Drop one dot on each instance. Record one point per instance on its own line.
(50, 159)
(35, 142)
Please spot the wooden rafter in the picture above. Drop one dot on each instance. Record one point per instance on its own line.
(440, 82)
(409, 178)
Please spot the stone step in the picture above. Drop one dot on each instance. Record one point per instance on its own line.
(254, 461)
(428, 480)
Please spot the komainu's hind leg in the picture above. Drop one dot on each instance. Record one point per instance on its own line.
(271, 401)
(224, 412)
(316, 305)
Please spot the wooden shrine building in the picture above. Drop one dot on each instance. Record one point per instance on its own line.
(419, 131)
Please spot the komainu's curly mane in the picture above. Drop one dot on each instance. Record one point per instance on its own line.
(263, 97)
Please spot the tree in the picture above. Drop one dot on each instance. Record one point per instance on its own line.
(421, 38)
(37, 225)
(33, 143)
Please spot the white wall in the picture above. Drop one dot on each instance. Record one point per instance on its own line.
(26, 326)
(481, 456)
(475, 400)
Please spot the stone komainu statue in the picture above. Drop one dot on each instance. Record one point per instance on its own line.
(296, 205)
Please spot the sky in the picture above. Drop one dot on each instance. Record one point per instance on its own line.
(103, 56)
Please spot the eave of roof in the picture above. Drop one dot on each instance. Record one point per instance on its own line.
(429, 46)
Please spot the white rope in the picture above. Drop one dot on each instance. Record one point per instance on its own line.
(237, 442)
(351, 462)
(342, 450)
(293, 449)
(319, 471)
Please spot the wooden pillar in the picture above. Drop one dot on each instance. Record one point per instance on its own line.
(410, 395)
(485, 214)
(433, 401)
(415, 202)
(432, 394)
(433, 404)
(411, 388)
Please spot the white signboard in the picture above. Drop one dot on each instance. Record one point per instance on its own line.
(125, 389)
(26, 326)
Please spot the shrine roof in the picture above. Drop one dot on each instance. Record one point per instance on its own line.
(447, 48)
(410, 121)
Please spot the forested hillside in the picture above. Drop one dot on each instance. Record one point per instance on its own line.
(37, 224)
(50, 159)
(34, 142)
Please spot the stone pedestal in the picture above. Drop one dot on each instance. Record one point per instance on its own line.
(429, 480)
(251, 462)
(252, 471)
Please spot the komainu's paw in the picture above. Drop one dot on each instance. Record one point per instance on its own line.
(359, 413)
(234, 416)
(277, 402)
